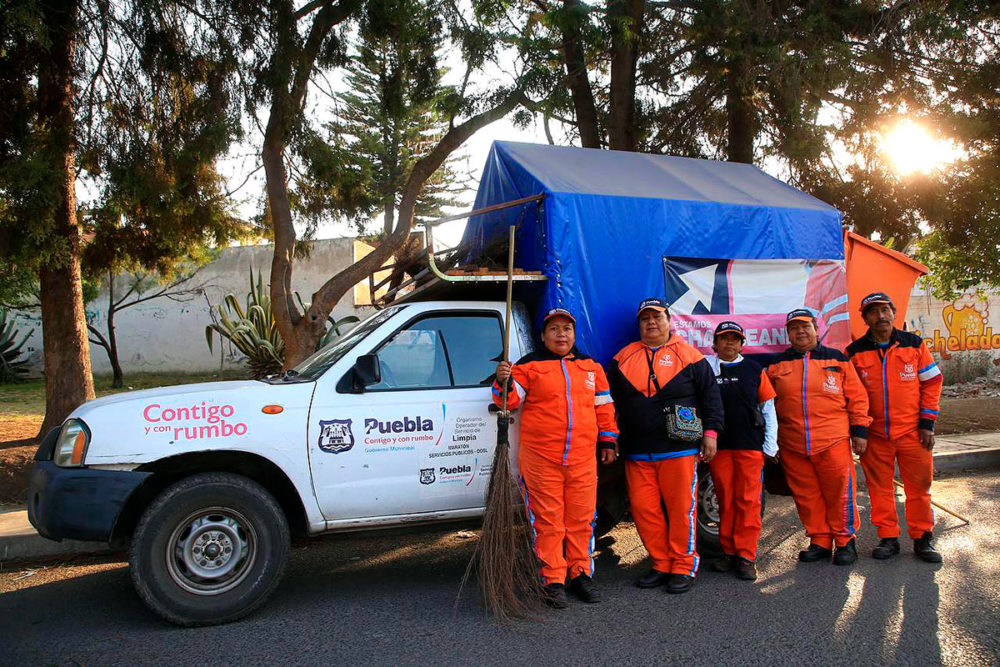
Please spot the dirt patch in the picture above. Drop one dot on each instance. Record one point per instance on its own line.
(14, 463)
(963, 415)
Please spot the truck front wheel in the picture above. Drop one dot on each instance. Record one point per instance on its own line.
(210, 549)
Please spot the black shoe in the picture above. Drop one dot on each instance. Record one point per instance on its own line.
(886, 549)
(746, 569)
(847, 554)
(923, 548)
(679, 583)
(581, 590)
(554, 595)
(652, 579)
(723, 564)
(814, 553)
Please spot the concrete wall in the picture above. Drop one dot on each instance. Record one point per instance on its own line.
(964, 334)
(163, 335)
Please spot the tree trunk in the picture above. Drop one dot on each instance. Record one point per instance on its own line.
(576, 76)
(625, 18)
(68, 378)
(118, 378)
(740, 119)
(305, 335)
(387, 216)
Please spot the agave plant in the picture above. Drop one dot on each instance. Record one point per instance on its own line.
(251, 329)
(12, 367)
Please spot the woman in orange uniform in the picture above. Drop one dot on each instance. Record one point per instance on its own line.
(566, 416)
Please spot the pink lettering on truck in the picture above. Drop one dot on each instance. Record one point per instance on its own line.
(193, 422)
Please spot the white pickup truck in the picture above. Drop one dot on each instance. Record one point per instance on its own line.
(389, 426)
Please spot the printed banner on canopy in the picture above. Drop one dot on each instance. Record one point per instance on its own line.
(756, 293)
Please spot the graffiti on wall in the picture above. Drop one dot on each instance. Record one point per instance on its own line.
(959, 326)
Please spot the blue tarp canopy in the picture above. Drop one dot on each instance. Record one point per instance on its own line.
(610, 217)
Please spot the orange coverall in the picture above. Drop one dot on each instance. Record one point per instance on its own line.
(904, 392)
(565, 411)
(821, 403)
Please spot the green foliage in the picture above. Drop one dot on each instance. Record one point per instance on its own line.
(251, 329)
(12, 367)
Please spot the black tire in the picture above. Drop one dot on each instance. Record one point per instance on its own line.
(225, 527)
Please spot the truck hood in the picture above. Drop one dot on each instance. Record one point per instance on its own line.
(218, 390)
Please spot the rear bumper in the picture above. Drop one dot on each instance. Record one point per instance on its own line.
(78, 503)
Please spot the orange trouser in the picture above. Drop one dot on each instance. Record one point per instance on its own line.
(916, 467)
(561, 504)
(670, 539)
(736, 475)
(823, 486)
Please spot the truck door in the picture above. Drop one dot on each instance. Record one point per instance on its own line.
(422, 438)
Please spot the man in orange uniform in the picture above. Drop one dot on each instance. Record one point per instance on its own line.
(656, 380)
(566, 415)
(904, 391)
(822, 415)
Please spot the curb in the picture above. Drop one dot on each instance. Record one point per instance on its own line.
(25, 546)
(967, 460)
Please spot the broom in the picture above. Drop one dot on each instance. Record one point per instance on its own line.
(504, 559)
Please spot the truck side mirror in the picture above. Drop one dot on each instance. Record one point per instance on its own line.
(366, 371)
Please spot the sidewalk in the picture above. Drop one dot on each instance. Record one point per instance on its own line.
(19, 541)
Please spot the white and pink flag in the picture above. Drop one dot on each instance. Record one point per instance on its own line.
(757, 294)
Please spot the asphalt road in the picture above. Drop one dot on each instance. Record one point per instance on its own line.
(391, 599)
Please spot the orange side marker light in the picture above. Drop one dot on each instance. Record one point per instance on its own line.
(272, 409)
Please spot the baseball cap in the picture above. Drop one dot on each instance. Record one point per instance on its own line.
(558, 312)
(875, 298)
(730, 327)
(653, 303)
(803, 314)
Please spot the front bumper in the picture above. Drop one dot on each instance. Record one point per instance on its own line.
(78, 503)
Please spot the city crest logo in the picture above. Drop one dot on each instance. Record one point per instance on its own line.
(335, 435)
(427, 476)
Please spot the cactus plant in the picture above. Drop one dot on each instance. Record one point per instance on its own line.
(12, 366)
(253, 331)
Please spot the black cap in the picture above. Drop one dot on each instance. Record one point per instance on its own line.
(875, 298)
(800, 314)
(730, 327)
(558, 312)
(653, 303)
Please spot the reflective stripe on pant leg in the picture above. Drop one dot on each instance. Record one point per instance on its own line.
(644, 498)
(580, 501)
(878, 462)
(916, 467)
(678, 481)
(802, 479)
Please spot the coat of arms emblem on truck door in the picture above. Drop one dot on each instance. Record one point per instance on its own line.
(335, 435)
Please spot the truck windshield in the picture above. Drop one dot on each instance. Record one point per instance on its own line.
(316, 365)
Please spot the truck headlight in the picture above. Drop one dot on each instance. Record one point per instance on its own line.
(71, 447)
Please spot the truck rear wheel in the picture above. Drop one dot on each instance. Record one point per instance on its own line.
(210, 549)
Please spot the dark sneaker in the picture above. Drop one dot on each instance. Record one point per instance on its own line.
(886, 549)
(554, 595)
(723, 564)
(679, 583)
(652, 579)
(814, 553)
(746, 569)
(581, 590)
(923, 548)
(846, 555)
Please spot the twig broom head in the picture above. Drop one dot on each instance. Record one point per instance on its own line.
(504, 561)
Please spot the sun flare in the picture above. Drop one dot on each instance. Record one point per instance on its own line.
(909, 148)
